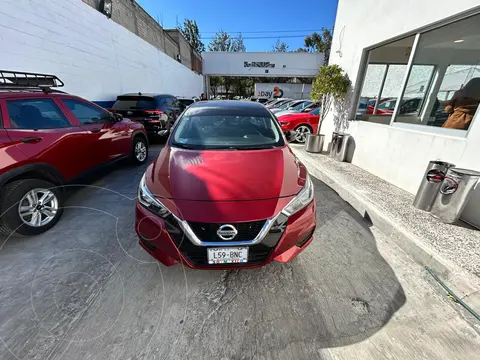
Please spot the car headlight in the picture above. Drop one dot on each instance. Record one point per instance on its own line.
(303, 198)
(148, 200)
(284, 123)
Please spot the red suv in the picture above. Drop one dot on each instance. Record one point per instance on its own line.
(226, 191)
(48, 139)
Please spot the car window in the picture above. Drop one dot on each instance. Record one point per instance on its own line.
(315, 112)
(186, 102)
(210, 131)
(387, 105)
(36, 114)
(302, 105)
(134, 103)
(87, 114)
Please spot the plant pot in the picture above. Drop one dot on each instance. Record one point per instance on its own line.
(314, 143)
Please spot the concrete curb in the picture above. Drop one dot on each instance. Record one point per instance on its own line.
(465, 285)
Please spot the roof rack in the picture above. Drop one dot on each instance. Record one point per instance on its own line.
(21, 80)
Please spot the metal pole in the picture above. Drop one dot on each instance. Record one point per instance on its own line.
(381, 89)
(405, 78)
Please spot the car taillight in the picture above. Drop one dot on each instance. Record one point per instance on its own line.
(153, 112)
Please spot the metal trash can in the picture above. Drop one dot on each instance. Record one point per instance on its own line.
(314, 143)
(430, 186)
(339, 148)
(333, 144)
(454, 192)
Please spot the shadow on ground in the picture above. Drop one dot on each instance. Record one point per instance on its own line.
(79, 291)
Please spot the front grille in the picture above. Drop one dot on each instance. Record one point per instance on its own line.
(197, 255)
(208, 231)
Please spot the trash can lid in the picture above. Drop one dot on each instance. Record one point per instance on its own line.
(466, 172)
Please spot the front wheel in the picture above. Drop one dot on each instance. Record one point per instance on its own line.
(29, 207)
(140, 150)
(302, 133)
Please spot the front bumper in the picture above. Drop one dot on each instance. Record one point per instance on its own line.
(166, 242)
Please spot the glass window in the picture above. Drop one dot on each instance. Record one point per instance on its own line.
(36, 114)
(443, 88)
(197, 131)
(315, 112)
(383, 81)
(87, 114)
(134, 103)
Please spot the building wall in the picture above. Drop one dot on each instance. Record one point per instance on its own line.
(95, 57)
(286, 64)
(392, 153)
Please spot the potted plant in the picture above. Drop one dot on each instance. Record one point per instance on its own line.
(331, 84)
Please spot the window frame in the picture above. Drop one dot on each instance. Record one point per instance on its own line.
(362, 71)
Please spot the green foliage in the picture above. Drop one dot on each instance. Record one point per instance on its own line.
(280, 46)
(223, 41)
(320, 43)
(331, 80)
(192, 35)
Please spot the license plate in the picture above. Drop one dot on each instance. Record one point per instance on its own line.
(231, 255)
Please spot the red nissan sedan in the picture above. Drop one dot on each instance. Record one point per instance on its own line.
(226, 191)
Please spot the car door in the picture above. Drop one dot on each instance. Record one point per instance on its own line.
(44, 134)
(110, 138)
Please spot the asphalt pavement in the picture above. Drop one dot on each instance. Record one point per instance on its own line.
(87, 290)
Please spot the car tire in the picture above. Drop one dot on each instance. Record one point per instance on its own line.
(139, 150)
(14, 194)
(302, 132)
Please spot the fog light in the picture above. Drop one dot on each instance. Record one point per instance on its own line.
(302, 242)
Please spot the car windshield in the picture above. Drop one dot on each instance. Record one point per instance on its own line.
(210, 131)
(301, 105)
(286, 104)
(134, 102)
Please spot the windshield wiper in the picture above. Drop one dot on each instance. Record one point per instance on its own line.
(253, 147)
(185, 146)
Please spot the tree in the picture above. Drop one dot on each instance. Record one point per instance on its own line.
(320, 43)
(192, 35)
(215, 82)
(223, 41)
(331, 83)
(280, 46)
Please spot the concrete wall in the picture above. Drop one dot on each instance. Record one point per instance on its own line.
(184, 48)
(95, 57)
(397, 154)
(286, 64)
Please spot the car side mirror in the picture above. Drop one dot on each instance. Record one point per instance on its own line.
(117, 117)
(290, 135)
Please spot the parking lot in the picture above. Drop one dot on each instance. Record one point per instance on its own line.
(86, 290)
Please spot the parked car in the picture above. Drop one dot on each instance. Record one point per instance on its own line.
(302, 123)
(48, 139)
(156, 112)
(287, 105)
(226, 191)
(186, 102)
(277, 103)
(295, 108)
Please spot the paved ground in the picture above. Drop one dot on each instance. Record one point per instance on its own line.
(86, 290)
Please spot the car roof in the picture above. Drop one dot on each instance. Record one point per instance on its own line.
(146, 94)
(229, 107)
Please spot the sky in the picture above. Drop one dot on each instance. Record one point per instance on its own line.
(274, 19)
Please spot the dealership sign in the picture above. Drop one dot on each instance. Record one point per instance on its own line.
(259, 64)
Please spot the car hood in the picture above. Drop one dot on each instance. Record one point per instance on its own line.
(234, 175)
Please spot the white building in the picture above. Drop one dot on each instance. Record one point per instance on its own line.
(422, 51)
